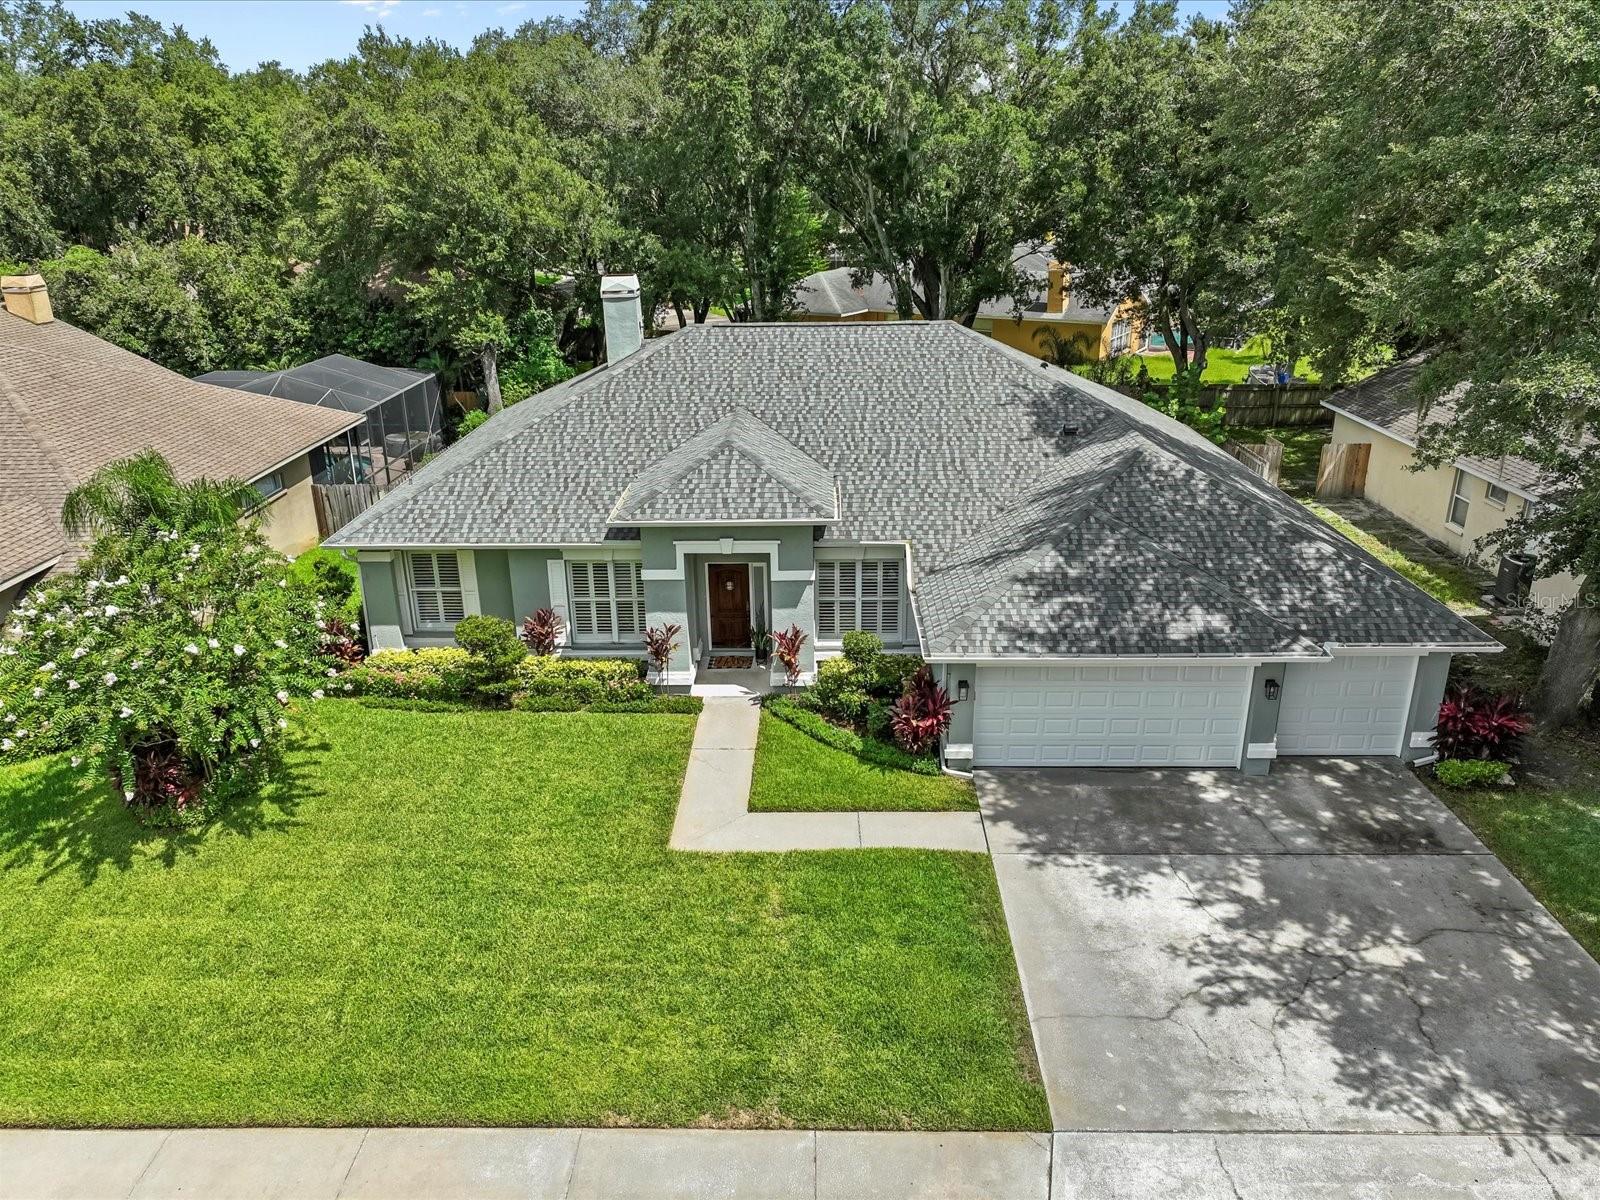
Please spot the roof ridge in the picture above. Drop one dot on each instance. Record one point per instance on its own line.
(29, 422)
(965, 617)
(449, 461)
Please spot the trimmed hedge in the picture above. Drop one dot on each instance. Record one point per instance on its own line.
(406, 705)
(584, 680)
(682, 705)
(436, 673)
(867, 749)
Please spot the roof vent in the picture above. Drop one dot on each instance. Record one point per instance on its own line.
(1069, 430)
(624, 320)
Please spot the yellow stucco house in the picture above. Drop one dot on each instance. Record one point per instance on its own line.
(1457, 505)
(1028, 322)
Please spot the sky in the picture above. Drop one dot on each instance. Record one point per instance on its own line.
(301, 33)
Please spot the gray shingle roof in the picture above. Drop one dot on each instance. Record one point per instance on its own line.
(71, 402)
(1132, 535)
(735, 469)
(1389, 401)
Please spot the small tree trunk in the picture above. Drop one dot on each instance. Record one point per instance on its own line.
(1573, 667)
(491, 378)
(1177, 347)
(677, 308)
(702, 309)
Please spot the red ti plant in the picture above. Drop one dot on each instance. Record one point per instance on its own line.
(786, 649)
(922, 713)
(1475, 725)
(340, 643)
(542, 631)
(659, 643)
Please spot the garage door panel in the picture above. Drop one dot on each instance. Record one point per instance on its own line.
(1354, 704)
(1125, 715)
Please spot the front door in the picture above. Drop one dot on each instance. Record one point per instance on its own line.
(730, 603)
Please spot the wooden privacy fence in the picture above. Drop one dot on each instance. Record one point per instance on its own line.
(1343, 470)
(340, 503)
(1263, 458)
(1258, 405)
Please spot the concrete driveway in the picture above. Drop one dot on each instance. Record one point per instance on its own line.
(1325, 950)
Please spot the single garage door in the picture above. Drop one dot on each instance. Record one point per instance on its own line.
(1352, 705)
(1109, 716)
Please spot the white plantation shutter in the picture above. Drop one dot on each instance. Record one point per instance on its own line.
(862, 594)
(627, 585)
(438, 591)
(585, 609)
(606, 599)
(888, 627)
(828, 600)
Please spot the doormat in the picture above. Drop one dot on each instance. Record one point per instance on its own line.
(732, 662)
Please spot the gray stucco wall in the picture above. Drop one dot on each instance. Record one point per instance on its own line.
(1261, 721)
(529, 575)
(380, 600)
(494, 585)
(961, 711)
(1432, 673)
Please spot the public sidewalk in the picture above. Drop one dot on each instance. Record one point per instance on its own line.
(714, 810)
(716, 1164)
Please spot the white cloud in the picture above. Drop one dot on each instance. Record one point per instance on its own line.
(506, 9)
(373, 6)
(431, 12)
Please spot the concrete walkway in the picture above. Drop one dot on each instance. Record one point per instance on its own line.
(714, 1164)
(714, 812)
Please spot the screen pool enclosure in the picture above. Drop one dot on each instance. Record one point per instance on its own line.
(403, 419)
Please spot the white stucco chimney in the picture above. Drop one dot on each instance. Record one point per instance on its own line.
(619, 300)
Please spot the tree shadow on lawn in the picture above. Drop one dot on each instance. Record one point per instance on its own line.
(71, 818)
(1311, 949)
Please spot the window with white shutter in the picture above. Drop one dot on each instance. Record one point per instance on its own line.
(858, 594)
(605, 599)
(437, 596)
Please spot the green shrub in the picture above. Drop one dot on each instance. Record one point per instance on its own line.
(862, 648)
(686, 705)
(586, 680)
(546, 704)
(880, 720)
(471, 421)
(496, 650)
(867, 749)
(840, 689)
(436, 673)
(1468, 772)
(405, 705)
(890, 674)
(335, 579)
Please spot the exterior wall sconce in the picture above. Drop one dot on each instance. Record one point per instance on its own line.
(963, 689)
(1272, 689)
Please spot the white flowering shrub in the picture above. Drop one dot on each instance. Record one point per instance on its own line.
(170, 654)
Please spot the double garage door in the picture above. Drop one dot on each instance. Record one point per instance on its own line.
(1109, 716)
(1183, 716)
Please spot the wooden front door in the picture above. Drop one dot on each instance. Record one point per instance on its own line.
(730, 603)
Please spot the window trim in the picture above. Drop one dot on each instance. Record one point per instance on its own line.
(614, 635)
(1458, 494)
(1489, 490)
(858, 559)
(466, 571)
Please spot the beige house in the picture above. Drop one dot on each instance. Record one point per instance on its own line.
(71, 402)
(1032, 321)
(1457, 505)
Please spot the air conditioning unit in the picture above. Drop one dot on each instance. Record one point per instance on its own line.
(1512, 584)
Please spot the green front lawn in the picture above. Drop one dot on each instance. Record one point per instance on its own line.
(1302, 452)
(796, 773)
(1548, 833)
(1226, 366)
(473, 918)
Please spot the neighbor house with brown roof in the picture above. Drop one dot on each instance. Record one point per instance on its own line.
(70, 403)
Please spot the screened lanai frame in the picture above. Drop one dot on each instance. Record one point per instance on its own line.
(404, 422)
